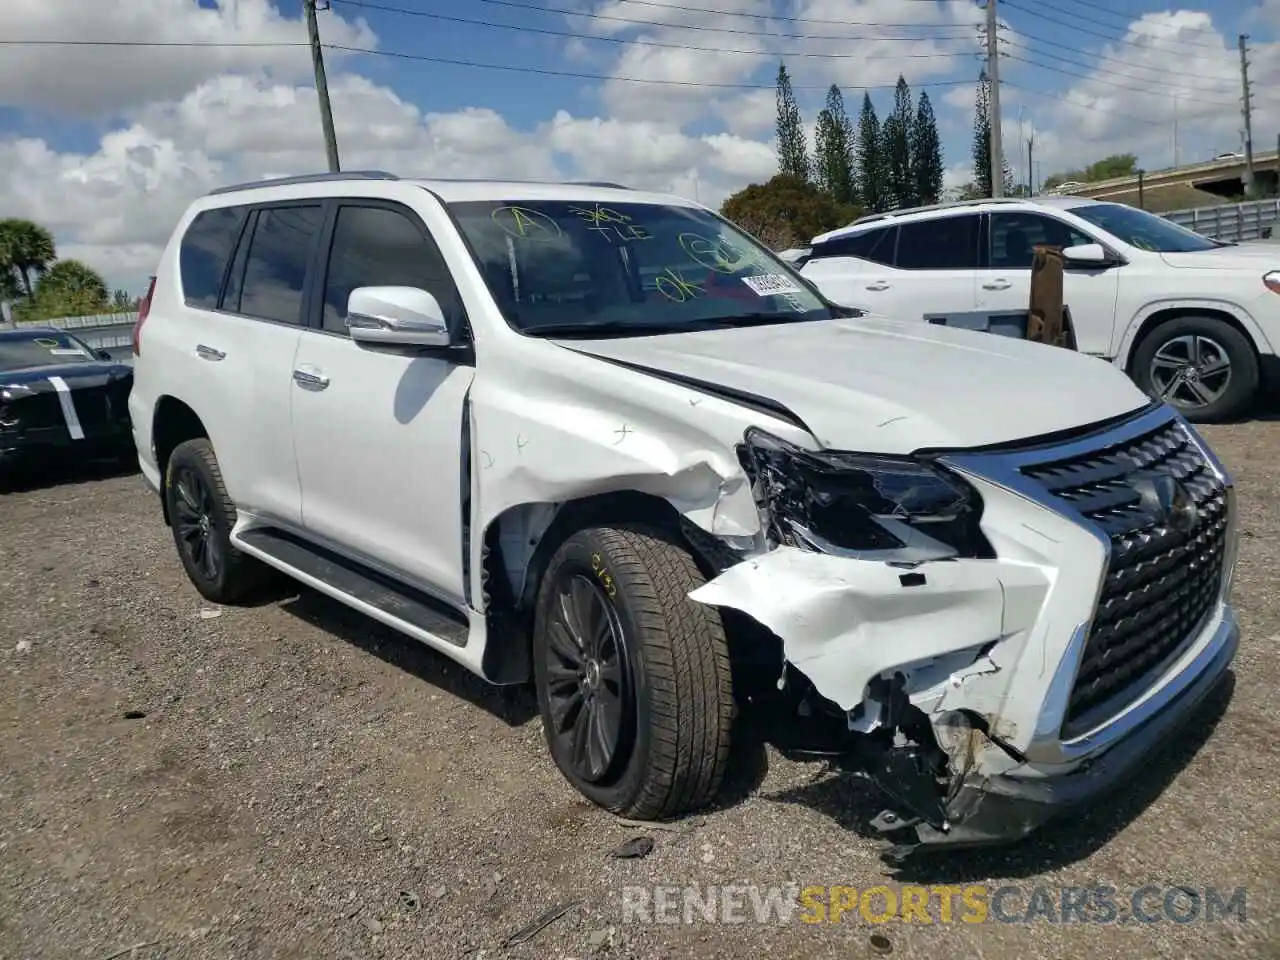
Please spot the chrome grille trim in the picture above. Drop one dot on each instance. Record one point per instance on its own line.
(1159, 586)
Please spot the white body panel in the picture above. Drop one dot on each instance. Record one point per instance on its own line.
(373, 464)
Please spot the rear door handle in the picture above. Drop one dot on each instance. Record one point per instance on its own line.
(996, 285)
(878, 285)
(311, 378)
(209, 353)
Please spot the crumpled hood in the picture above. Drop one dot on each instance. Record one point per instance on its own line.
(1257, 259)
(887, 386)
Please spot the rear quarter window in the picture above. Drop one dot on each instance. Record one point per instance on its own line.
(206, 248)
(874, 246)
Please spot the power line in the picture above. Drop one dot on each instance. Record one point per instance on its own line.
(1088, 106)
(772, 34)
(570, 35)
(685, 8)
(152, 43)
(1159, 71)
(1131, 18)
(1111, 83)
(513, 68)
(1106, 36)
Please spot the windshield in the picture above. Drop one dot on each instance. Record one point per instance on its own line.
(41, 350)
(628, 269)
(1143, 230)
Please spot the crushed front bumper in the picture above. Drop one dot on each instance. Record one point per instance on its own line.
(1005, 808)
(1040, 679)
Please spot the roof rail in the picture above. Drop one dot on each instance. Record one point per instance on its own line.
(948, 205)
(306, 178)
(598, 183)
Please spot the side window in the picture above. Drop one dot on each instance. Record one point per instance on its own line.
(202, 257)
(275, 269)
(378, 246)
(875, 246)
(1014, 235)
(943, 243)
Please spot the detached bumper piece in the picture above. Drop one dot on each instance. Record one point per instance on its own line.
(983, 812)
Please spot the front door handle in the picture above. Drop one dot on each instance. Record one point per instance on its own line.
(209, 353)
(878, 285)
(996, 285)
(312, 379)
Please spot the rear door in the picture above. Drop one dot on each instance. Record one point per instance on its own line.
(936, 262)
(242, 342)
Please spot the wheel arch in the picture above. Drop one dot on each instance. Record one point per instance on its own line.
(518, 546)
(1158, 316)
(173, 422)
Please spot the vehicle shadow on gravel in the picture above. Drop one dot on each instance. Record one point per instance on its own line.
(853, 802)
(31, 478)
(514, 705)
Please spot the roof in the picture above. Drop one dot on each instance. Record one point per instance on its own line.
(982, 205)
(451, 189)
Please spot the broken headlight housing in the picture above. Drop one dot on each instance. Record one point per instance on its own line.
(897, 509)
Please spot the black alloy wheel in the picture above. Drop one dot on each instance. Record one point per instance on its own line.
(193, 522)
(588, 681)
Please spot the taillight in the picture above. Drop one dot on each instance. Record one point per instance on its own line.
(144, 307)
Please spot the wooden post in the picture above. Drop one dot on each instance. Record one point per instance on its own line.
(1141, 199)
(1044, 318)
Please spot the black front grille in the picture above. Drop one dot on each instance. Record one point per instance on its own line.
(1160, 583)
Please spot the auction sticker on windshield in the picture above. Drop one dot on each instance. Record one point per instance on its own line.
(771, 285)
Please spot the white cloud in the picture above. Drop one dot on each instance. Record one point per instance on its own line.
(87, 80)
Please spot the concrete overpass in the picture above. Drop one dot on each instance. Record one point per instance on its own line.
(1224, 178)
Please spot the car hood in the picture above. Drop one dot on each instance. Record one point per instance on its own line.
(72, 374)
(1255, 259)
(887, 386)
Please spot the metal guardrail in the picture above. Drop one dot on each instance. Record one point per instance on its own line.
(100, 331)
(1233, 221)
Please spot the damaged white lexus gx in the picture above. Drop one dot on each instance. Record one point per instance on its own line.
(602, 441)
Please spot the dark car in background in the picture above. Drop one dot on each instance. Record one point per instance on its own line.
(60, 401)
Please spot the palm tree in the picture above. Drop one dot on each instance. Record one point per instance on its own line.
(69, 287)
(26, 248)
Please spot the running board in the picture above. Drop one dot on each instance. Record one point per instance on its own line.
(356, 584)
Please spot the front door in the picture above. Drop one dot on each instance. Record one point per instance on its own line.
(378, 430)
(1005, 283)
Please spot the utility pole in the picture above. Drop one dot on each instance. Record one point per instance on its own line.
(1031, 184)
(1175, 129)
(993, 78)
(1248, 119)
(322, 86)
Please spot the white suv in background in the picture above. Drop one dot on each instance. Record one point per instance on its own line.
(1194, 321)
(602, 441)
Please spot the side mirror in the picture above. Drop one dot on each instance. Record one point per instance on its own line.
(396, 316)
(102, 354)
(1086, 255)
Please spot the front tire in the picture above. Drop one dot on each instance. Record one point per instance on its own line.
(632, 676)
(201, 517)
(1202, 366)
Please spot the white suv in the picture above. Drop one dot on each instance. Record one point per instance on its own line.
(602, 441)
(1194, 321)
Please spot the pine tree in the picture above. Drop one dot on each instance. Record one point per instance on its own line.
(793, 154)
(872, 189)
(926, 154)
(896, 150)
(833, 154)
(982, 142)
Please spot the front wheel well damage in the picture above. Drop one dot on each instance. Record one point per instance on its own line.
(519, 543)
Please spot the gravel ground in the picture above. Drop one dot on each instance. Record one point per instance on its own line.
(290, 780)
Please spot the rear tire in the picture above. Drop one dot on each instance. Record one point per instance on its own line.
(1202, 366)
(650, 680)
(201, 516)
